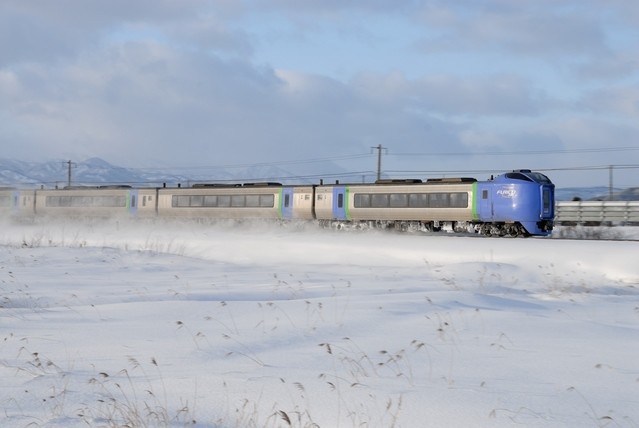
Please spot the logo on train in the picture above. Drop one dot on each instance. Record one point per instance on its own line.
(507, 193)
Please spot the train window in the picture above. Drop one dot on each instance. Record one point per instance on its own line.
(144, 201)
(85, 201)
(398, 200)
(459, 200)
(287, 200)
(133, 201)
(379, 200)
(547, 199)
(418, 200)
(517, 176)
(267, 201)
(362, 200)
(223, 201)
(539, 177)
(438, 200)
(238, 201)
(252, 201)
(340, 200)
(210, 201)
(180, 201)
(411, 200)
(484, 194)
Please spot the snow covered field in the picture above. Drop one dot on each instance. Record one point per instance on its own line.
(194, 325)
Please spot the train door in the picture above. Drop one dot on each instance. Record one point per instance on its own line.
(133, 202)
(485, 202)
(286, 203)
(340, 203)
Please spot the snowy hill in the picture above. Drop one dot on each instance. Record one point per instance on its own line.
(52, 173)
(599, 193)
(93, 171)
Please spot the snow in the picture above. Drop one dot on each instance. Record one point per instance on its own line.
(115, 323)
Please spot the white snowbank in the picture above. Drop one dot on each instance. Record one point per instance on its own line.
(171, 325)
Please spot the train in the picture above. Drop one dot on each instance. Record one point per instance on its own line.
(516, 203)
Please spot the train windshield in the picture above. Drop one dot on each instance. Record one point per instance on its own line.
(547, 200)
(539, 177)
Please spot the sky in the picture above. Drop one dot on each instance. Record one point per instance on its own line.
(445, 88)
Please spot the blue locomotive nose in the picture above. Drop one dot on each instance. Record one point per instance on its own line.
(519, 199)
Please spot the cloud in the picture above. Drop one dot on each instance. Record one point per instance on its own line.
(539, 28)
(621, 101)
(220, 82)
(614, 66)
(450, 96)
(44, 31)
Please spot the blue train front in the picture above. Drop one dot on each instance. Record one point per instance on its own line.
(515, 200)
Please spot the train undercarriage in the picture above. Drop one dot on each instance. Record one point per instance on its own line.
(500, 229)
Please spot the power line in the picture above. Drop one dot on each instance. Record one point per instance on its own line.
(589, 168)
(490, 171)
(523, 152)
(260, 164)
(368, 155)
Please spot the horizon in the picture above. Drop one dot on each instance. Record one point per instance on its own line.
(155, 177)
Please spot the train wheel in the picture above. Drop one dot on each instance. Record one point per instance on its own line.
(484, 229)
(496, 230)
(512, 230)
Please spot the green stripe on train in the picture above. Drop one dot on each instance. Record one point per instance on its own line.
(475, 201)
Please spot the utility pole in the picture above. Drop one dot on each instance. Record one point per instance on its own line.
(379, 149)
(70, 165)
(610, 192)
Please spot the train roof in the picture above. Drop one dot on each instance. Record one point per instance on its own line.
(452, 180)
(106, 186)
(399, 181)
(227, 185)
(406, 181)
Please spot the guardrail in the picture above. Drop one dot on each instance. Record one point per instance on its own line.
(597, 212)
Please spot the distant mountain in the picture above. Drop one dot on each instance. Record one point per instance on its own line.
(582, 193)
(631, 194)
(96, 171)
(56, 173)
(599, 193)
